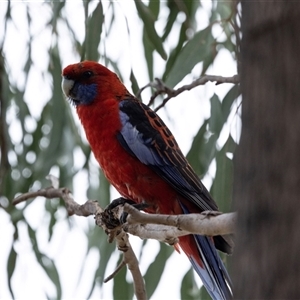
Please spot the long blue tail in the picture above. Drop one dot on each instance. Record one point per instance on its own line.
(214, 274)
(208, 264)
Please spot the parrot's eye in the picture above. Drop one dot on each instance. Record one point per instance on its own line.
(87, 74)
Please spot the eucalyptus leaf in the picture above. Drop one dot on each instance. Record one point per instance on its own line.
(189, 290)
(154, 6)
(204, 294)
(156, 268)
(11, 265)
(97, 240)
(149, 20)
(216, 121)
(221, 189)
(148, 51)
(122, 289)
(224, 9)
(93, 33)
(46, 263)
(134, 84)
(229, 99)
(202, 150)
(193, 52)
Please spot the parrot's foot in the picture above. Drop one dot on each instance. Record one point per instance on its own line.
(117, 202)
(211, 213)
(122, 201)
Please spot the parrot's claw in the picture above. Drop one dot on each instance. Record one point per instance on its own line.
(211, 213)
(139, 206)
(117, 202)
(122, 201)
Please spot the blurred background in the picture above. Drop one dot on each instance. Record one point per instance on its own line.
(43, 252)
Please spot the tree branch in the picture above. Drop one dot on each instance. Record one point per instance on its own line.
(92, 207)
(165, 228)
(73, 208)
(161, 87)
(210, 224)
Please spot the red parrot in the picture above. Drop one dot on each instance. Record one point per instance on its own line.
(142, 160)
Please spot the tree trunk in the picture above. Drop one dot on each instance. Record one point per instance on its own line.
(267, 166)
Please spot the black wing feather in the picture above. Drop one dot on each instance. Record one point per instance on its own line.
(146, 137)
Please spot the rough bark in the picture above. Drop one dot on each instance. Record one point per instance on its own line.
(267, 166)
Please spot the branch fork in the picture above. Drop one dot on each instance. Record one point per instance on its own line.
(161, 88)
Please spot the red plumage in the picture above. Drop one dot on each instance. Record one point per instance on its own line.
(141, 158)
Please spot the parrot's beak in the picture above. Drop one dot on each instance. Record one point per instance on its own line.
(67, 85)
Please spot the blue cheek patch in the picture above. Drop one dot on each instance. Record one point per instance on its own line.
(84, 93)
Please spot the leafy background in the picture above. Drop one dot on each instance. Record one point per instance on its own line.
(43, 252)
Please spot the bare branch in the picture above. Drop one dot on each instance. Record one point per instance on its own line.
(161, 88)
(203, 224)
(73, 208)
(184, 224)
(93, 208)
(165, 228)
(162, 233)
(132, 264)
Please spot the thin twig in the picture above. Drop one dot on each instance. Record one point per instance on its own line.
(162, 88)
(115, 272)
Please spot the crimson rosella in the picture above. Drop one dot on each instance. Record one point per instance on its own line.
(140, 157)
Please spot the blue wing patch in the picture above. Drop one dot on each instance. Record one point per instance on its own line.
(146, 137)
(137, 143)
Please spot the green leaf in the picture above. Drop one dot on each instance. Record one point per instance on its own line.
(93, 33)
(209, 58)
(194, 51)
(97, 239)
(122, 289)
(46, 263)
(204, 294)
(171, 18)
(186, 285)
(154, 6)
(175, 52)
(202, 150)
(156, 268)
(149, 19)
(11, 264)
(115, 66)
(104, 189)
(56, 7)
(189, 289)
(190, 9)
(134, 83)
(216, 121)
(228, 100)
(224, 9)
(193, 154)
(6, 144)
(57, 114)
(221, 189)
(148, 51)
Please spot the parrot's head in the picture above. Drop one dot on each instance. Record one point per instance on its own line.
(88, 82)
